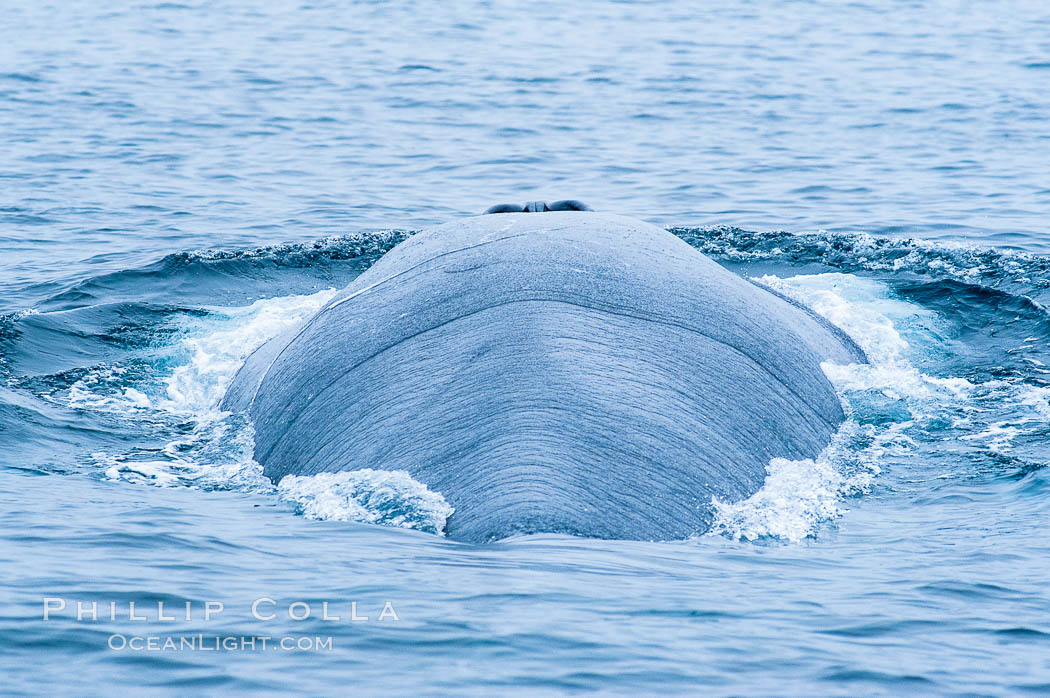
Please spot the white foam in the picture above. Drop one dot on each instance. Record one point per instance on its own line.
(100, 390)
(137, 398)
(1037, 398)
(216, 455)
(862, 307)
(997, 436)
(387, 497)
(888, 396)
(218, 452)
(151, 472)
(798, 496)
(215, 353)
(884, 327)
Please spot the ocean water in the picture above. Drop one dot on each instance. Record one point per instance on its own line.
(182, 181)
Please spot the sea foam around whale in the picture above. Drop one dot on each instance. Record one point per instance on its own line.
(797, 499)
(885, 401)
(217, 453)
(172, 390)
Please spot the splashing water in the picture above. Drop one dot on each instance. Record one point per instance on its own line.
(889, 404)
(217, 453)
(385, 497)
(213, 355)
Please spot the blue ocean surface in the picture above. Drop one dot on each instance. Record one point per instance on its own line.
(181, 181)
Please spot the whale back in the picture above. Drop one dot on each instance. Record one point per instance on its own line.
(565, 372)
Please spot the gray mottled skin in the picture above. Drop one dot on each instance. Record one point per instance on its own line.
(568, 372)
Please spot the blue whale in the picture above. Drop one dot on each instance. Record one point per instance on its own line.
(556, 371)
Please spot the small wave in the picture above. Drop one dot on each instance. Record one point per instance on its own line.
(8, 333)
(384, 497)
(996, 331)
(1036, 397)
(181, 367)
(851, 252)
(304, 254)
(954, 298)
(229, 276)
(993, 411)
(152, 472)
